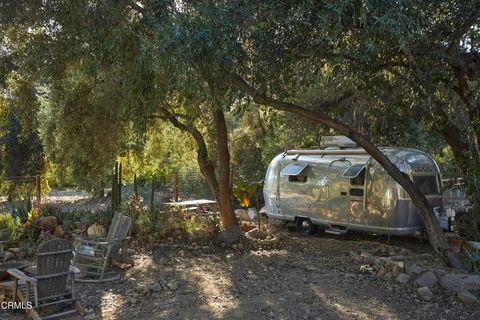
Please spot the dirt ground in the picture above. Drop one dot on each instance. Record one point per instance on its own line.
(300, 278)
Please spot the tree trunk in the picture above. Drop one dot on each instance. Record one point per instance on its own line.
(221, 189)
(228, 219)
(436, 237)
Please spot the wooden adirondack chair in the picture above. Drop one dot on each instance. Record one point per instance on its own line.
(47, 290)
(92, 256)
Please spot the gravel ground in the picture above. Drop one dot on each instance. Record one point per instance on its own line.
(299, 278)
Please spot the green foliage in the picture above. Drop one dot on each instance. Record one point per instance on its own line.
(9, 226)
(102, 216)
(21, 206)
(383, 67)
(134, 207)
(465, 227)
(31, 231)
(242, 192)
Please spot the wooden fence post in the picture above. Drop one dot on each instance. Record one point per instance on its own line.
(176, 187)
(120, 185)
(115, 187)
(38, 188)
(152, 195)
(135, 187)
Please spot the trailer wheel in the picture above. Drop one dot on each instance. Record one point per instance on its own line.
(306, 226)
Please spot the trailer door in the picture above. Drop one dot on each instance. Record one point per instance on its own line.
(338, 204)
(356, 175)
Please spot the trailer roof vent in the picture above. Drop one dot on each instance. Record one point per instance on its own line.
(337, 141)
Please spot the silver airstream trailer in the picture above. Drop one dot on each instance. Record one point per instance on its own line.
(340, 187)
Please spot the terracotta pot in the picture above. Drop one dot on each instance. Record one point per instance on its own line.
(455, 244)
(246, 227)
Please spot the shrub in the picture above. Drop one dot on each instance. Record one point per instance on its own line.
(101, 216)
(21, 206)
(52, 210)
(467, 228)
(133, 207)
(9, 227)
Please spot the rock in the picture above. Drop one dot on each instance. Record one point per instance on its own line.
(48, 223)
(439, 272)
(427, 256)
(80, 225)
(252, 213)
(240, 246)
(387, 275)
(366, 256)
(96, 231)
(155, 287)
(256, 234)
(14, 250)
(132, 282)
(425, 293)
(8, 255)
(398, 258)
(396, 271)
(381, 272)
(426, 279)
(172, 285)
(402, 278)
(467, 297)
(141, 288)
(459, 282)
(366, 269)
(242, 214)
(390, 264)
(379, 261)
(59, 232)
(415, 270)
(132, 300)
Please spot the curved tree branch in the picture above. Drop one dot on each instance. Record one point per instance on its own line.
(436, 237)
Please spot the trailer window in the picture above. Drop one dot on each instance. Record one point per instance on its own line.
(297, 178)
(356, 192)
(296, 172)
(426, 184)
(359, 180)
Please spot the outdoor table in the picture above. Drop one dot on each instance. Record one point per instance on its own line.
(197, 205)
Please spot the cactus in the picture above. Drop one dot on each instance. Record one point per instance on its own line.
(120, 185)
(115, 188)
(153, 193)
(135, 186)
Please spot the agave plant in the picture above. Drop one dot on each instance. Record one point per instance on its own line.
(22, 206)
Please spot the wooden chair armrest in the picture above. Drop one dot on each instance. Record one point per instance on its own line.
(92, 241)
(20, 275)
(122, 239)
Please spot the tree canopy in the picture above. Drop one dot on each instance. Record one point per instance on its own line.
(403, 73)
